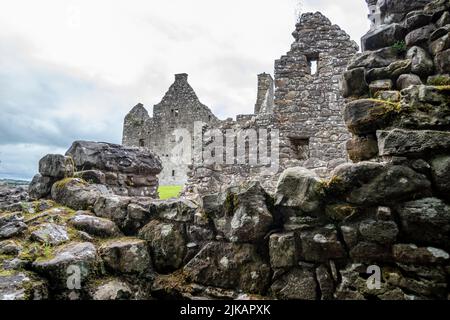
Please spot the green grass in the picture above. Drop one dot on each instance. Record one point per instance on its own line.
(167, 192)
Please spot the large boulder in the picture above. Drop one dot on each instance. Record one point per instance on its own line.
(424, 107)
(76, 193)
(426, 221)
(245, 216)
(230, 266)
(11, 224)
(373, 59)
(395, 183)
(396, 10)
(299, 189)
(56, 166)
(421, 62)
(167, 244)
(40, 186)
(109, 157)
(126, 255)
(95, 226)
(283, 250)
(353, 83)
(181, 210)
(114, 208)
(321, 245)
(361, 148)
(419, 36)
(368, 115)
(367, 183)
(399, 142)
(383, 36)
(297, 284)
(76, 258)
(393, 71)
(411, 254)
(383, 232)
(442, 61)
(22, 286)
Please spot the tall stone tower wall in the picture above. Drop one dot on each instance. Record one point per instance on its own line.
(163, 133)
(307, 99)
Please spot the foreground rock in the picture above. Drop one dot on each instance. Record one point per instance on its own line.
(231, 266)
(126, 255)
(22, 286)
(79, 258)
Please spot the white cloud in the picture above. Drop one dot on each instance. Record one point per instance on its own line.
(72, 69)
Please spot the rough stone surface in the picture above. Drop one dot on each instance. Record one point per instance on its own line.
(40, 187)
(96, 226)
(299, 188)
(56, 166)
(22, 286)
(126, 255)
(426, 221)
(167, 244)
(440, 168)
(229, 265)
(112, 290)
(50, 233)
(283, 248)
(76, 193)
(299, 284)
(76, 255)
(400, 142)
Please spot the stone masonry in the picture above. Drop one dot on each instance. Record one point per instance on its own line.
(304, 106)
(163, 133)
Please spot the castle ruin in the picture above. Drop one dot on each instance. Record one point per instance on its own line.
(302, 103)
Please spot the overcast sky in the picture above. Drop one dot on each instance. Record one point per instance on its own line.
(71, 70)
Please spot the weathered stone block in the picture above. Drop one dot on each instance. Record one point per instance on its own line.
(400, 142)
(426, 221)
(230, 266)
(384, 36)
(283, 249)
(353, 83)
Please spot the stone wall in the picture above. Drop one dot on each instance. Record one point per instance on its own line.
(309, 106)
(374, 230)
(124, 171)
(307, 111)
(265, 95)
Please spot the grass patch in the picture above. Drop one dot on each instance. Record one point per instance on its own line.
(167, 192)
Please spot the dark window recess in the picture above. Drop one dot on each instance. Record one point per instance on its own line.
(173, 173)
(300, 147)
(141, 143)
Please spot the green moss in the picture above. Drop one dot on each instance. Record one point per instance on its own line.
(340, 212)
(443, 88)
(400, 47)
(389, 106)
(36, 252)
(62, 183)
(439, 81)
(7, 273)
(231, 202)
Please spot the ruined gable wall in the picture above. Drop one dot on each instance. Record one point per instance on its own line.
(309, 106)
(179, 109)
